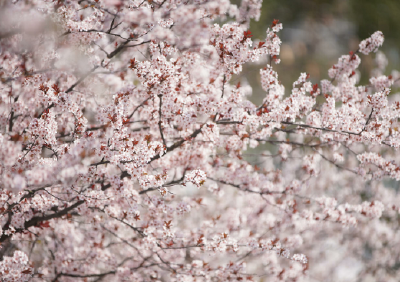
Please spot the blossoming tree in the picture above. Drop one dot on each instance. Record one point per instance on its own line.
(126, 141)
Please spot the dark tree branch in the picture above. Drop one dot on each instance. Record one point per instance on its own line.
(159, 122)
(36, 220)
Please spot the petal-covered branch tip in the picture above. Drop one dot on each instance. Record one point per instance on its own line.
(371, 44)
(197, 177)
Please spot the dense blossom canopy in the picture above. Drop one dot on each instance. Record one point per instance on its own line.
(129, 150)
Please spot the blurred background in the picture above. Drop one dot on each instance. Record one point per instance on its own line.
(317, 32)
